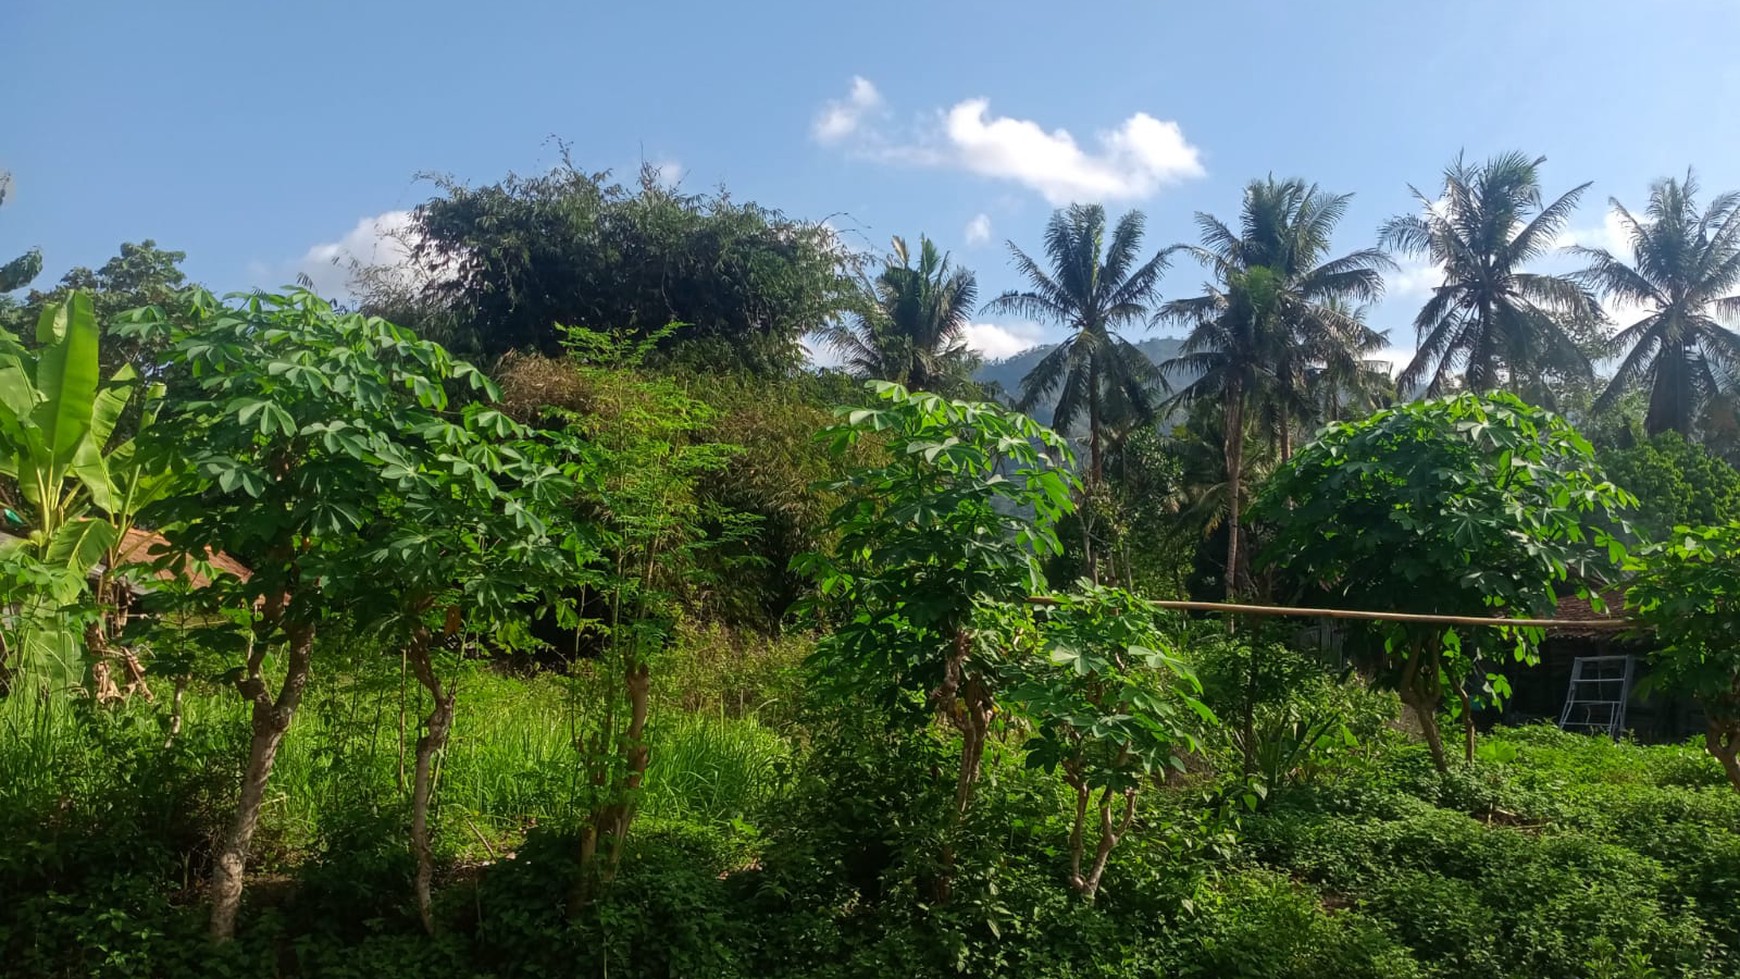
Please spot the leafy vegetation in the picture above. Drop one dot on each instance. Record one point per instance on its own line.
(1454, 506)
(913, 331)
(494, 268)
(643, 649)
(1685, 591)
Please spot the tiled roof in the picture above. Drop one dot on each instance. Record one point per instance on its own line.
(1573, 609)
(145, 546)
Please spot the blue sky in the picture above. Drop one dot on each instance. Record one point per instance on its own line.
(263, 138)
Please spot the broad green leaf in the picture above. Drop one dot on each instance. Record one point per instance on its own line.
(80, 544)
(67, 377)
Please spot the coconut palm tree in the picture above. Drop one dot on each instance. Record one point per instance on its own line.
(913, 329)
(1356, 383)
(1684, 273)
(1275, 310)
(1093, 287)
(1500, 326)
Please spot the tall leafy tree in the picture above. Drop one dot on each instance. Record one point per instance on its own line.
(139, 274)
(914, 329)
(1684, 274)
(1094, 287)
(467, 546)
(495, 268)
(1677, 483)
(1493, 321)
(1354, 384)
(1469, 506)
(1683, 590)
(308, 430)
(1276, 309)
(940, 541)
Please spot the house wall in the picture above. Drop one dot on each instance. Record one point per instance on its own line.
(1539, 692)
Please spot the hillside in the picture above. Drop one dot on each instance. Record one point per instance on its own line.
(1008, 372)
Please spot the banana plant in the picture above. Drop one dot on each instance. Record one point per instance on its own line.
(58, 418)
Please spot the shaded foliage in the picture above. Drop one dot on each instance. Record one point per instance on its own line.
(495, 268)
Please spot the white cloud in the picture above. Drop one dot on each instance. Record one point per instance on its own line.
(1414, 280)
(1130, 162)
(978, 229)
(996, 341)
(1611, 235)
(668, 172)
(840, 119)
(379, 240)
(1133, 162)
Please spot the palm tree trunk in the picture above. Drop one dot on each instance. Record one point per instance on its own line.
(1235, 465)
(1093, 422)
(1093, 568)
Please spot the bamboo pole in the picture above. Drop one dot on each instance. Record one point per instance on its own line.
(1342, 613)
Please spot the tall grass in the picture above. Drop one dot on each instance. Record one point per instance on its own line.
(510, 762)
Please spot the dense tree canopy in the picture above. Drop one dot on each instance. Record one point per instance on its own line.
(912, 330)
(1277, 311)
(1467, 506)
(495, 268)
(1685, 591)
(1676, 481)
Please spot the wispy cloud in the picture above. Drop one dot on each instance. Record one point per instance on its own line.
(843, 117)
(1130, 162)
(670, 173)
(978, 230)
(1611, 235)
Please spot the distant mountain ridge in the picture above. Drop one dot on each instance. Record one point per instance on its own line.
(1009, 371)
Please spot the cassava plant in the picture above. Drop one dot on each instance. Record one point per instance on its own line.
(308, 429)
(1687, 591)
(1472, 506)
(471, 542)
(1112, 708)
(940, 533)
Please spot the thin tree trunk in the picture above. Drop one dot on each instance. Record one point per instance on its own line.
(1077, 829)
(271, 718)
(638, 682)
(1093, 421)
(972, 717)
(1428, 718)
(434, 739)
(1235, 466)
(175, 703)
(400, 780)
(1419, 692)
(1094, 471)
(1722, 739)
(1249, 726)
(1468, 732)
(1110, 834)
